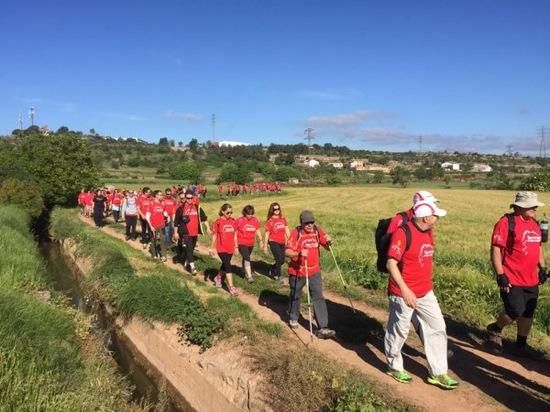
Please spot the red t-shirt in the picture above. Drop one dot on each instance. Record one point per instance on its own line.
(170, 204)
(156, 209)
(308, 244)
(521, 264)
(246, 230)
(224, 229)
(116, 199)
(416, 263)
(143, 204)
(193, 224)
(397, 221)
(276, 227)
(81, 197)
(89, 199)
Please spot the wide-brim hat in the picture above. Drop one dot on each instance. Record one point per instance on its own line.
(427, 208)
(527, 200)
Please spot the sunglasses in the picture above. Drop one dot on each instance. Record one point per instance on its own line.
(188, 198)
(229, 213)
(308, 223)
(276, 208)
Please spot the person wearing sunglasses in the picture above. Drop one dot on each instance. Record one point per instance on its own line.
(224, 239)
(188, 221)
(276, 235)
(248, 229)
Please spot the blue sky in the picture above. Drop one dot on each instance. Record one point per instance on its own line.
(464, 75)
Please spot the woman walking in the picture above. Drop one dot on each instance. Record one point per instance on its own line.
(276, 235)
(248, 229)
(130, 213)
(224, 236)
(99, 208)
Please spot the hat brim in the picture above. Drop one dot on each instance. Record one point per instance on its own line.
(527, 205)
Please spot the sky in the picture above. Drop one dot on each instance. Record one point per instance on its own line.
(375, 75)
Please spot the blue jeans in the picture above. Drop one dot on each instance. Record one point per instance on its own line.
(168, 232)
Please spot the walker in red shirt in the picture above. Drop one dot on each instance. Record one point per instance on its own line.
(223, 242)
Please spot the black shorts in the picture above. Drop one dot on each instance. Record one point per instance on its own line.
(226, 262)
(520, 301)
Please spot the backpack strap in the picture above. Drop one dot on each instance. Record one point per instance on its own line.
(408, 236)
(511, 232)
(404, 216)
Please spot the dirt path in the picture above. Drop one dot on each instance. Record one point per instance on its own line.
(487, 382)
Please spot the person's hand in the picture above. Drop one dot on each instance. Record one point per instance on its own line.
(303, 254)
(543, 275)
(265, 249)
(211, 251)
(209, 231)
(176, 236)
(503, 283)
(409, 297)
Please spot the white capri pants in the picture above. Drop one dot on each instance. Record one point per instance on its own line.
(432, 325)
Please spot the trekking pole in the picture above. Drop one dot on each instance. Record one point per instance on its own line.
(341, 277)
(308, 301)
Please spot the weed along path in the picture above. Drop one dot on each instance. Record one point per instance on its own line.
(487, 382)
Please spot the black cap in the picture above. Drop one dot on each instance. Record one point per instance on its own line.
(306, 217)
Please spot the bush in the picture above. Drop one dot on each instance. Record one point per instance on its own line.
(538, 182)
(237, 173)
(186, 171)
(27, 195)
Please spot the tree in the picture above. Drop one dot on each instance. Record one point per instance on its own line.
(163, 141)
(539, 182)
(172, 143)
(193, 145)
(60, 165)
(186, 171)
(180, 143)
(62, 130)
(24, 194)
(400, 176)
(237, 173)
(92, 131)
(378, 177)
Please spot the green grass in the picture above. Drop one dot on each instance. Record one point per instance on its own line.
(43, 364)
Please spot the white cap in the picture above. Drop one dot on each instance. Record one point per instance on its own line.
(424, 195)
(428, 208)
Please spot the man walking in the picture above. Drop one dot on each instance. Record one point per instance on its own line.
(303, 249)
(410, 290)
(518, 261)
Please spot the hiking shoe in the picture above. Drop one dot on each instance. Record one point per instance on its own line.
(249, 279)
(443, 381)
(218, 281)
(527, 352)
(194, 271)
(325, 333)
(494, 340)
(400, 376)
(293, 323)
(163, 259)
(233, 291)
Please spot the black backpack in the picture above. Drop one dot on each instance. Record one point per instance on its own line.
(382, 240)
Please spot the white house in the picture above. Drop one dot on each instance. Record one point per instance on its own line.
(455, 167)
(481, 167)
(311, 163)
(230, 143)
(337, 165)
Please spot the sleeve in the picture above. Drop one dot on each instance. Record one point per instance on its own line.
(177, 216)
(500, 233)
(215, 227)
(397, 245)
(293, 241)
(257, 224)
(202, 214)
(395, 223)
(267, 225)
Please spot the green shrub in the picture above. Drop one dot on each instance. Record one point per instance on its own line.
(24, 194)
(538, 182)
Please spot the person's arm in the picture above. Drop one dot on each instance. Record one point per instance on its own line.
(541, 257)
(408, 295)
(259, 236)
(266, 240)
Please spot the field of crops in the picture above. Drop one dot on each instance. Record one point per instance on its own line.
(464, 278)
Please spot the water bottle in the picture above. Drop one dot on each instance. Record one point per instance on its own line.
(544, 229)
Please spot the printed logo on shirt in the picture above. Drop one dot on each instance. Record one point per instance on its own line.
(310, 243)
(426, 252)
(279, 226)
(529, 236)
(228, 229)
(249, 228)
(396, 247)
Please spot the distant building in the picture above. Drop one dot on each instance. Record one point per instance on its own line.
(311, 163)
(230, 143)
(455, 167)
(44, 131)
(356, 165)
(481, 167)
(337, 165)
(377, 168)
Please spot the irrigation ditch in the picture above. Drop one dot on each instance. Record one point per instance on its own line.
(167, 374)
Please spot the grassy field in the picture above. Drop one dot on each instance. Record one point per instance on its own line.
(464, 279)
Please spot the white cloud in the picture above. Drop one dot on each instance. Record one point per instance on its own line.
(189, 117)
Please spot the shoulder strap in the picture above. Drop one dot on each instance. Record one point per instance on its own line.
(511, 232)
(404, 216)
(408, 236)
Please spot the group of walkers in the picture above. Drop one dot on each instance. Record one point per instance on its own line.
(406, 255)
(235, 189)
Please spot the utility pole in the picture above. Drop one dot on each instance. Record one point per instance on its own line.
(213, 128)
(509, 150)
(542, 130)
(309, 137)
(420, 143)
(31, 115)
(20, 122)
